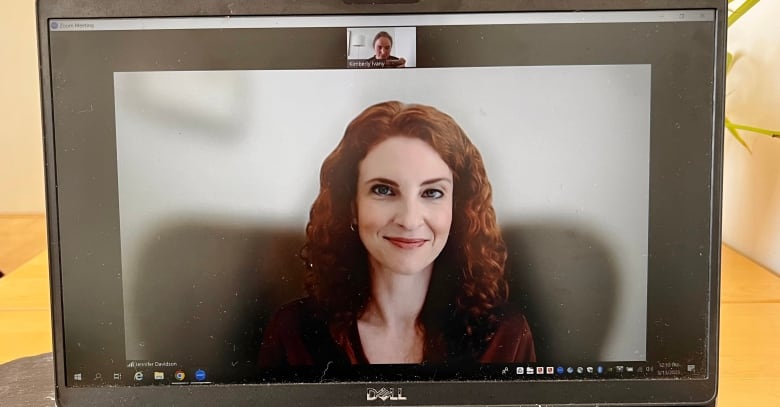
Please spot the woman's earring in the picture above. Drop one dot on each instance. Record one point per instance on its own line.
(353, 227)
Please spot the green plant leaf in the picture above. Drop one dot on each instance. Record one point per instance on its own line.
(739, 138)
(729, 61)
(741, 10)
(754, 129)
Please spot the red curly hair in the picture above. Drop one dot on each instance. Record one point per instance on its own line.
(467, 289)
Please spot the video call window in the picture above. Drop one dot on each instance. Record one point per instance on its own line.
(381, 47)
(571, 244)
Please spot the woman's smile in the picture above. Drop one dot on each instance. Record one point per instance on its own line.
(406, 243)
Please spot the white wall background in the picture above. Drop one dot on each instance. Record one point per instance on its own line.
(21, 148)
(751, 201)
(552, 139)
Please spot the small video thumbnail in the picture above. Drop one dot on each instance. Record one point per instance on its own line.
(381, 47)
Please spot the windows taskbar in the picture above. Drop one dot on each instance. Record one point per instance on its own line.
(163, 375)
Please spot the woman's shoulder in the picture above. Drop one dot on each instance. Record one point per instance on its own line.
(294, 307)
(512, 341)
(295, 335)
(294, 313)
(514, 323)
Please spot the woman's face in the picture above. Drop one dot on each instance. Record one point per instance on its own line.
(403, 205)
(382, 47)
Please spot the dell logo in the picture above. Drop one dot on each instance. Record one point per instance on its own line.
(384, 394)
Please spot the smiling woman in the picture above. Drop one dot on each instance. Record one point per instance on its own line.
(404, 259)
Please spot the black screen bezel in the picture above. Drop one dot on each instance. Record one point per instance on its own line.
(605, 391)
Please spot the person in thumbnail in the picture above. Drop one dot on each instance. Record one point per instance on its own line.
(383, 44)
(404, 259)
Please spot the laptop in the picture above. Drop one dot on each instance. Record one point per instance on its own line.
(384, 202)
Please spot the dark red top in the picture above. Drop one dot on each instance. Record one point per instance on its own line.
(297, 336)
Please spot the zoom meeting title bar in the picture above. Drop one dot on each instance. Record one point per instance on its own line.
(385, 20)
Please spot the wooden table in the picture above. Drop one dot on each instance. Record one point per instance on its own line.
(25, 313)
(749, 333)
(750, 320)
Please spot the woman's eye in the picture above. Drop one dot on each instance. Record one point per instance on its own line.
(432, 193)
(383, 190)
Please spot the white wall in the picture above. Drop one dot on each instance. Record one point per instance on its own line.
(405, 45)
(751, 203)
(21, 149)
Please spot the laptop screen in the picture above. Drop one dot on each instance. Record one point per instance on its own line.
(393, 199)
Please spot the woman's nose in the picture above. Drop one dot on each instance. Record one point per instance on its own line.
(409, 214)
